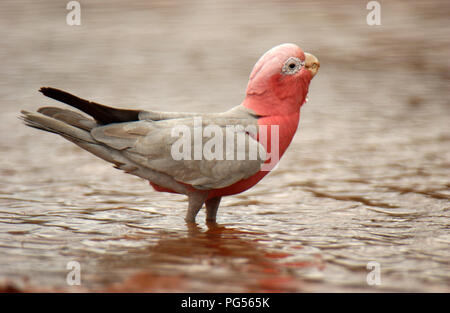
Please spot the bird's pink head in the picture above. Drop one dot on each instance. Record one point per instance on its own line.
(280, 80)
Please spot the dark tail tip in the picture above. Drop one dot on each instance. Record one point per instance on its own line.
(102, 113)
(47, 91)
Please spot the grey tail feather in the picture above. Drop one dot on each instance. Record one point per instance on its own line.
(49, 124)
(78, 136)
(69, 117)
(35, 125)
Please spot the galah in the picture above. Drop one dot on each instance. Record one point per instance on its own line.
(141, 142)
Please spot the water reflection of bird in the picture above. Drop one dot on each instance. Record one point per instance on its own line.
(217, 259)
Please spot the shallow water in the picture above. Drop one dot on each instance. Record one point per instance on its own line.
(365, 179)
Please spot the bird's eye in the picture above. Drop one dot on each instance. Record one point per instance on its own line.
(292, 66)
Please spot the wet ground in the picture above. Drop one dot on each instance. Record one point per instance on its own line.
(367, 177)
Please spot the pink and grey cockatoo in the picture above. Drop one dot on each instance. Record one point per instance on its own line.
(139, 142)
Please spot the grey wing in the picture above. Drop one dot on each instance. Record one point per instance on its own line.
(239, 112)
(172, 147)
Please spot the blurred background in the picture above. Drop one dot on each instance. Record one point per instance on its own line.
(366, 178)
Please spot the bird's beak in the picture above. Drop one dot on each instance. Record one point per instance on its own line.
(312, 64)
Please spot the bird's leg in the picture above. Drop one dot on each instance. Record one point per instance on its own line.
(212, 205)
(196, 200)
